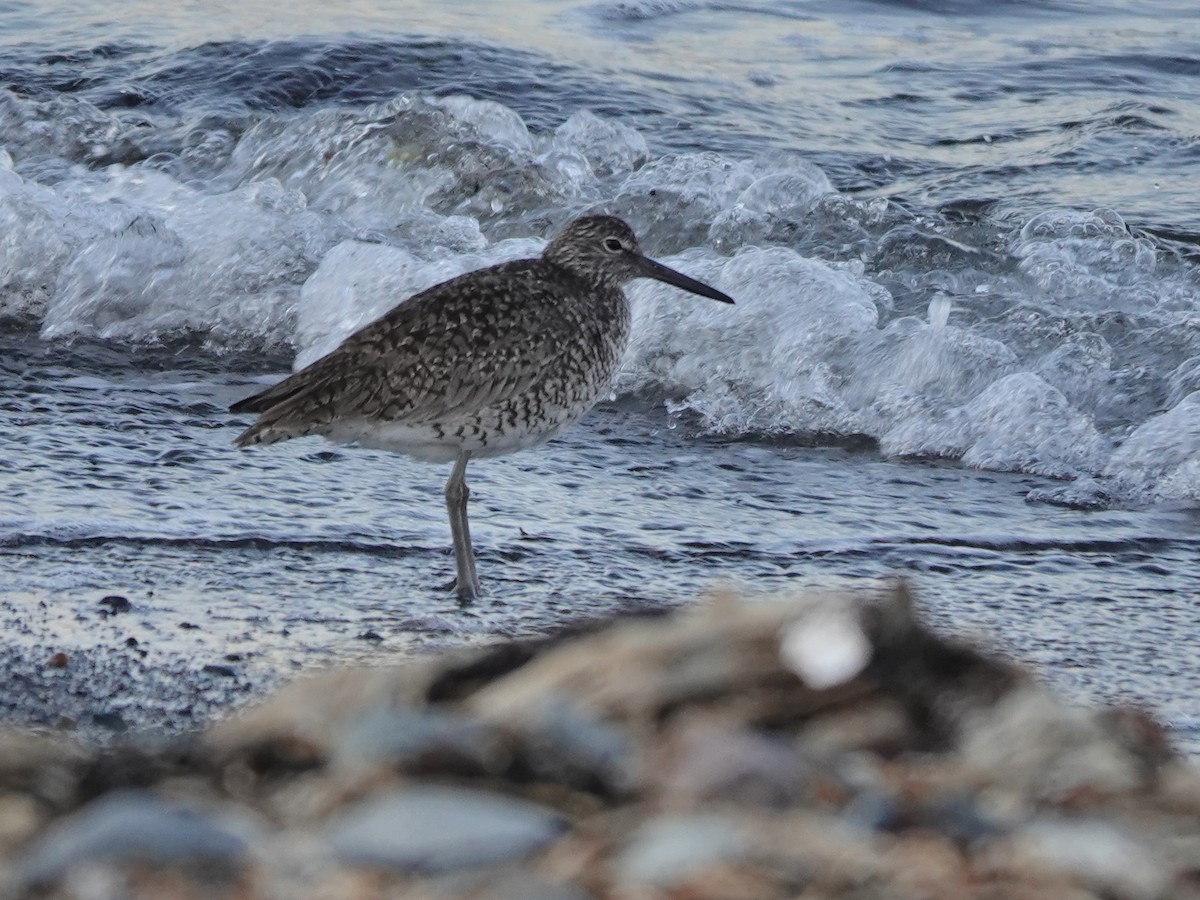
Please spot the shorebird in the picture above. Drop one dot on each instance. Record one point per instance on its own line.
(484, 364)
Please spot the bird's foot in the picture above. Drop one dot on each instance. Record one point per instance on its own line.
(467, 594)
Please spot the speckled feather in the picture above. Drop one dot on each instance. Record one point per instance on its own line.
(489, 361)
(484, 364)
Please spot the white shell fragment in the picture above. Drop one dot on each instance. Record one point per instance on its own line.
(825, 648)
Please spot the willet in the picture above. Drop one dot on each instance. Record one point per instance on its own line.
(484, 364)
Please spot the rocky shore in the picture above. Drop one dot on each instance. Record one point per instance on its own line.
(815, 746)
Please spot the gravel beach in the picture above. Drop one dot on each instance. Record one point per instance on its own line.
(817, 745)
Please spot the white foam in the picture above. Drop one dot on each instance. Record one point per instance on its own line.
(638, 10)
(1160, 460)
(761, 366)
(500, 124)
(309, 224)
(1088, 261)
(1016, 422)
(939, 310)
(793, 192)
(1023, 424)
(38, 233)
(168, 258)
(610, 147)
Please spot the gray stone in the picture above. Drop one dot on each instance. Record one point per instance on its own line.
(712, 763)
(404, 737)
(1105, 856)
(1035, 741)
(873, 811)
(960, 817)
(441, 829)
(131, 827)
(668, 849)
(501, 885)
(956, 816)
(569, 746)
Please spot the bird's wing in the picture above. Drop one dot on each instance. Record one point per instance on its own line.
(464, 344)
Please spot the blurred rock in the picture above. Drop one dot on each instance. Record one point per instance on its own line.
(420, 741)
(878, 724)
(1029, 738)
(20, 817)
(495, 886)
(1106, 858)
(703, 762)
(435, 829)
(129, 827)
(667, 851)
(827, 647)
(39, 768)
(824, 746)
(567, 745)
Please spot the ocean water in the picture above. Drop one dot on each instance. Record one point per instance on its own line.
(963, 238)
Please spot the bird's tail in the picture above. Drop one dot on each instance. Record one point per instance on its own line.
(286, 410)
(256, 434)
(274, 426)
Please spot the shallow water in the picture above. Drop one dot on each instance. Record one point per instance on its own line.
(298, 555)
(966, 348)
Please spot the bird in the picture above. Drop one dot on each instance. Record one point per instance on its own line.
(484, 364)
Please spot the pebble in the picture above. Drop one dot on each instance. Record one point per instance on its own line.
(567, 745)
(703, 762)
(1107, 858)
(110, 721)
(670, 849)
(1032, 740)
(429, 739)
(114, 604)
(441, 829)
(826, 647)
(129, 827)
(873, 810)
(877, 724)
(20, 817)
(701, 755)
(492, 885)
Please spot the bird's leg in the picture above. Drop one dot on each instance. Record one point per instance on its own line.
(456, 506)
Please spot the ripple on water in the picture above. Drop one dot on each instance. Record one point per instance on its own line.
(286, 560)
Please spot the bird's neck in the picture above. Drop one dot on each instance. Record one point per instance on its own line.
(588, 280)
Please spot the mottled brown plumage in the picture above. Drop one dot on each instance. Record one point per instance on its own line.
(483, 364)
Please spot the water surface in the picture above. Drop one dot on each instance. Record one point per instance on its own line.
(966, 347)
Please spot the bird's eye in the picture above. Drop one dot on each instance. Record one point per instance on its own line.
(613, 245)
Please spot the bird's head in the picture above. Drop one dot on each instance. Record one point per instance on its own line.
(604, 249)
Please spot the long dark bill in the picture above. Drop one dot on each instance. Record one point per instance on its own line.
(659, 272)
